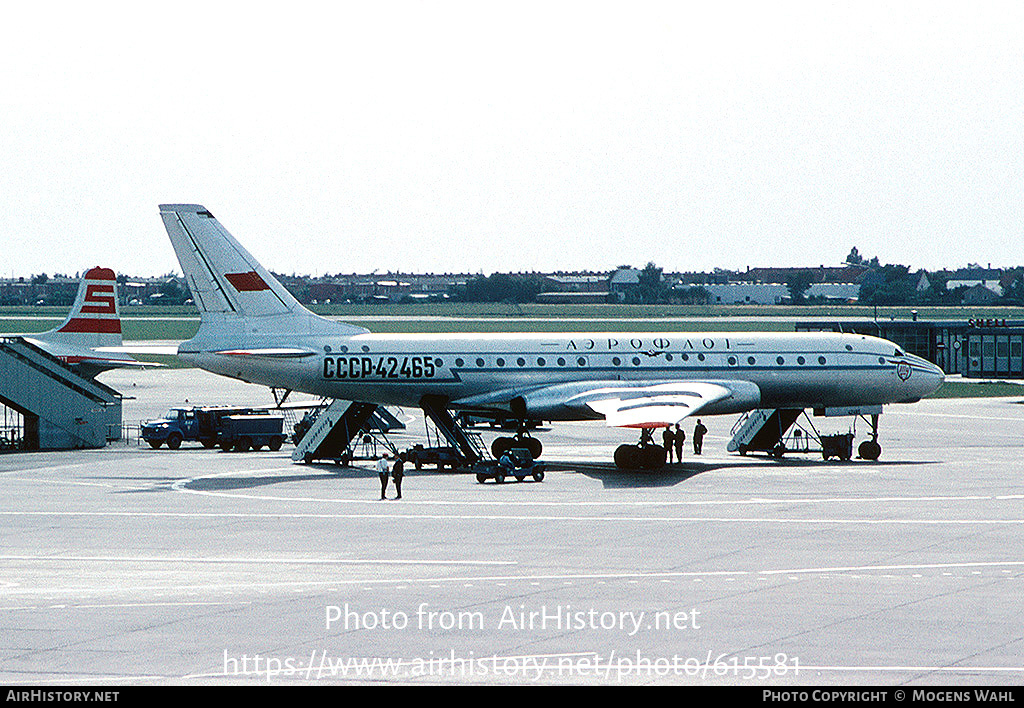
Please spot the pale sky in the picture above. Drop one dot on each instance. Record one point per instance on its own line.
(505, 136)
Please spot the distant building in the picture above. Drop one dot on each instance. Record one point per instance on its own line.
(577, 283)
(147, 291)
(981, 295)
(391, 287)
(624, 281)
(747, 293)
(575, 288)
(39, 290)
(848, 274)
(987, 278)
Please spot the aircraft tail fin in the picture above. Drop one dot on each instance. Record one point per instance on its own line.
(230, 287)
(95, 318)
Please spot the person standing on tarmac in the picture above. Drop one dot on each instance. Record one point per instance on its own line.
(698, 437)
(678, 438)
(668, 440)
(397, 472)
(383, 469)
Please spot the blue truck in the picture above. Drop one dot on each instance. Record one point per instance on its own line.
(251, 431)
(207, 425)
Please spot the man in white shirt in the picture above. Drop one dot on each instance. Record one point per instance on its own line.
(383, 469)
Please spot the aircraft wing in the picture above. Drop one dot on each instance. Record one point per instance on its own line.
(113, 363)
(630, 404)
(653, 406)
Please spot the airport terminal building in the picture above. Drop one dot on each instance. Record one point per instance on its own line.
(981, 348)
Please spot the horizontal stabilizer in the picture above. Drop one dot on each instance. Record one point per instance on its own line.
(152, 349)
(269, 352)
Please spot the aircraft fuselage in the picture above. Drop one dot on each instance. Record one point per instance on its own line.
(795, 370)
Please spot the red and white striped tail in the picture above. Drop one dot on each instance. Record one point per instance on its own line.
(95, 318)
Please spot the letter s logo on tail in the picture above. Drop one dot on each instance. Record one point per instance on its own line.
(94, 319)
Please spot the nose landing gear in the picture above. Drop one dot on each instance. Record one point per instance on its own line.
(870, 449)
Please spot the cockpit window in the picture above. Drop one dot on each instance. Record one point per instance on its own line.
(899, 352)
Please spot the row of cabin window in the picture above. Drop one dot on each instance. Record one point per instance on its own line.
(617, 361)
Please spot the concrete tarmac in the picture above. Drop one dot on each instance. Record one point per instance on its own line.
(135, 566)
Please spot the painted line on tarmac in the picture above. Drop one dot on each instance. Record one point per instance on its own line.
(262, 560)
(38, 480)
(127, 605)
(633, 575)
(900, 566)
(906, 669)
(521, 518)
(47, 468)
(470, 581)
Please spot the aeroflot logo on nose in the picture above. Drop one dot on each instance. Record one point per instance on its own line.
(247, 282)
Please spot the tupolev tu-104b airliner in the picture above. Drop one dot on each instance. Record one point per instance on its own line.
(253, 329)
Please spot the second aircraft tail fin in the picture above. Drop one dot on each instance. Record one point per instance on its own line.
(94, 320)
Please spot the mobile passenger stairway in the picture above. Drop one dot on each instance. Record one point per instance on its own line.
(60, 409)
(762, 430)
(467, 445)
(336, 427)
(768, 431)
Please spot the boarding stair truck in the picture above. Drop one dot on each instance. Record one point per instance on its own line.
(330, 432)
(763, 430)
(251, 431)
(766, 430)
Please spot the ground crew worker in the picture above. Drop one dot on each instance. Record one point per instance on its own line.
(383, 469)
(668, 439)
(397, 472)
(698, 437)
(679, 437)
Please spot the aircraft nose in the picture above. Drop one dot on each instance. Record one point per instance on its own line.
(929, 376)
(937, 377)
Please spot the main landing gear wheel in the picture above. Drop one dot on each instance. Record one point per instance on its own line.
(503, 444)
(636, 457)
(645, 455)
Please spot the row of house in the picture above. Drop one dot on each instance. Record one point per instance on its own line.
(766, 286)
(753, 286)
(62, 289)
